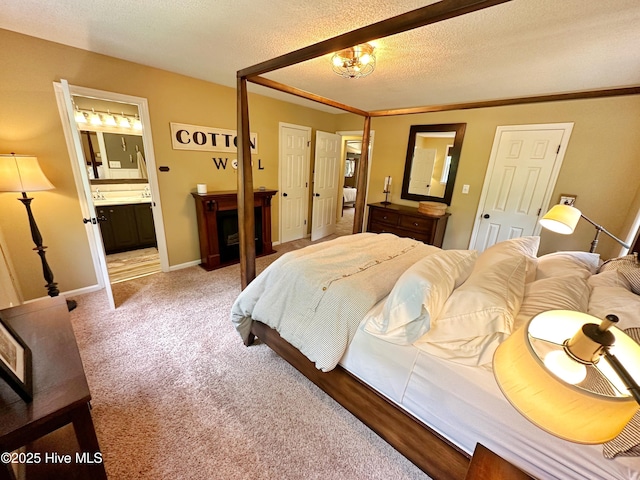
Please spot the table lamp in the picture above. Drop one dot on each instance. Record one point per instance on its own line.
(571, 374)
(22, 173)
(564, 218)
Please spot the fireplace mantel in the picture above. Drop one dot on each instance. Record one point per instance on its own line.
(217, 214)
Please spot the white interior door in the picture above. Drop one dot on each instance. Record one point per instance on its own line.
(522, 173)
(422, 170)
(294, 181)
(87, 207)
(325, 184)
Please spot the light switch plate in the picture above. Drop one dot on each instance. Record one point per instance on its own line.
(465, 189)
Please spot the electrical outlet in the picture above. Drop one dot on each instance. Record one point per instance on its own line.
(465, 189)
(567, 199)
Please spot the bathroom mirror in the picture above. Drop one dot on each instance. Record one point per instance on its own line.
(433, 154)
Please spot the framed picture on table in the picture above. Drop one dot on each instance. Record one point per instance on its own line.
(15, 362)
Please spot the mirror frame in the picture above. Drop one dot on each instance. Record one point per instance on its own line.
(459, 128)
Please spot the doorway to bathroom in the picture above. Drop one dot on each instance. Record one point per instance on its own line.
(110, 145)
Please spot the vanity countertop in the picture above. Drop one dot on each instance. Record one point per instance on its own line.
(121, 201)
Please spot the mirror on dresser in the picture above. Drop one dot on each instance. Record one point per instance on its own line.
(433, 154)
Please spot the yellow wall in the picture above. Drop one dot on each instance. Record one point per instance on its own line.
(601, 167)
(30, 124)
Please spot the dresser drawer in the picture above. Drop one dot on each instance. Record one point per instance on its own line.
(406, 221)
(379, 227)
(416, 223)
(384, 216)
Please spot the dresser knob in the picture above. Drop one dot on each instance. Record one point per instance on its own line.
(384, 218)
(416, 224)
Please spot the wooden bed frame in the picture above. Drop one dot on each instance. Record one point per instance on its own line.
(428, 450)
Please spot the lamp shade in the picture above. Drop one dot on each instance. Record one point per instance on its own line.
(591, 412)
(22, 174)
(561, 219)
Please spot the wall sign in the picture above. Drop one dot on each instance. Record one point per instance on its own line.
(207, 139)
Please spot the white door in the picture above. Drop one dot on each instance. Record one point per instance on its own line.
(422, 170)
(88, 210)
(325, 184)
(64, 93)
(524, 166)
(294, 181)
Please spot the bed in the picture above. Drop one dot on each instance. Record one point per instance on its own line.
(400, 344)
(349, 196)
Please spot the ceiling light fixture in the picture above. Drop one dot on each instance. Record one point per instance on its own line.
(354, 62)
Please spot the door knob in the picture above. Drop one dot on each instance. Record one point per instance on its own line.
(317, 194)
(284, 194)
(89, 220)
(486, 215)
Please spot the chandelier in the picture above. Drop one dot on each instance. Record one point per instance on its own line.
(354, 62)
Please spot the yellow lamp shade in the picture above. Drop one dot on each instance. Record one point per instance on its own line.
(22, 174)
(568, 411)
(561, 219)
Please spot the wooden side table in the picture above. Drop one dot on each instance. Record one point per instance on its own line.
(60, 391)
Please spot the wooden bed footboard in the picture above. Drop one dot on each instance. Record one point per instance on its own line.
(428, 450)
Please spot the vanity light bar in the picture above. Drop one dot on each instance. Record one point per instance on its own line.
(99, 118)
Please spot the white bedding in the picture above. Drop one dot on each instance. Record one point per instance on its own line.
(465, 405)
(349, 194)
(315, 297)
(457, 397)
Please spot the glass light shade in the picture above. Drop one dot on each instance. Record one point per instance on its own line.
(80, 118)
(137, 124)
(22, 174)
(124, 122)
(94, 119)
(561, 219)
(562, 409)
(110, 120)
(354, 62)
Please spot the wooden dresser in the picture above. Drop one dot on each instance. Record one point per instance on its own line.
(406, 221)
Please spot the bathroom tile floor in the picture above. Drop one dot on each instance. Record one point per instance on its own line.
(133, 264)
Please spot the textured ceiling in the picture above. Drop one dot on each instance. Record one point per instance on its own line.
(521, 48)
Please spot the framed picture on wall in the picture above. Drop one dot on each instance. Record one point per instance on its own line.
(15, 362)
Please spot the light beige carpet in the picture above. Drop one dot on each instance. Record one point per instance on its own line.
(176, 395)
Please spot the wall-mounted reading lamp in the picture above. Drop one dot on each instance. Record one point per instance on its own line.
(564, 218)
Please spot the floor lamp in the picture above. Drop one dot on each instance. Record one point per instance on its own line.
(564, 218)
(22, 173)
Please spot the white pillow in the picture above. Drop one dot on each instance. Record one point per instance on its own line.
(609, 278)
(419, 295)
(629, 267)
(567, 292)
(566, 263)
(616, 300)
(478, 315)
(527, 246)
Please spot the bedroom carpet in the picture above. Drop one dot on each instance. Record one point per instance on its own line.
(176, 395)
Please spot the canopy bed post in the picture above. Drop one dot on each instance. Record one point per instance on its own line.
(246, 220)
(362, 176)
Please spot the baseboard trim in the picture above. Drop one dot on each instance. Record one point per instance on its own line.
(173, 268)
(70, 293)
